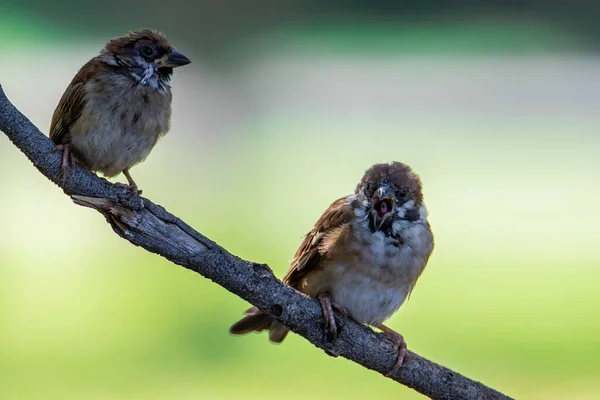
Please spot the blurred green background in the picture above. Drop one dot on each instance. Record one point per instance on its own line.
(285, 105)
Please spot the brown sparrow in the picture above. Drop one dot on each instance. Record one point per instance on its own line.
(362, 257)
(118, 105)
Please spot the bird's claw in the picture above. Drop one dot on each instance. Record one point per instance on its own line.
(133, 188)
(399, 346)
(328, 316)
(67, 160)
(401, 352)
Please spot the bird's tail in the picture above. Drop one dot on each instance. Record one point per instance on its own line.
(257, 321)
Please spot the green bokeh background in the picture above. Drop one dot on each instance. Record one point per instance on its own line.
(266, 132)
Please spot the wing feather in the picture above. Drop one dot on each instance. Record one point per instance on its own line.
(310, 253)
(71, 104)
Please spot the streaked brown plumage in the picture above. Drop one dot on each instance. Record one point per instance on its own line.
(118, 105)
(363, 256)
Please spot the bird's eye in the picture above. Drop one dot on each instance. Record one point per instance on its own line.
(147, 51)
(402, 193)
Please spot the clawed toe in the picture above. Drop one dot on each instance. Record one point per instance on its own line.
(132, 185)
(399, 345)
(401, 352)
(328, 316)
(134, 189)
(332, 328)
(67, 160)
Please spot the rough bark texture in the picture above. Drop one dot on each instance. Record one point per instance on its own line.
(150, 226)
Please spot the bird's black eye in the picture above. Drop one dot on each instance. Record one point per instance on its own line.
(147, 51)
(402, 193)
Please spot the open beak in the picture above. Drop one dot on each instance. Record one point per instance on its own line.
(174, 59)
(383, 204)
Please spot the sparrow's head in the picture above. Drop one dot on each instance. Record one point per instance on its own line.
(392, 192)
(146, 55)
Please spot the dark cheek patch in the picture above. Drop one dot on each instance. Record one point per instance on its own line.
(412, 215)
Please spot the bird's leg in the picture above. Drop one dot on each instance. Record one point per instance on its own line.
(131, 185)
(400, 345)
(328, 315)
(130, 181)
(68, 159)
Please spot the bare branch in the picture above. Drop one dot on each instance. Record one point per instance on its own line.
(150, 226)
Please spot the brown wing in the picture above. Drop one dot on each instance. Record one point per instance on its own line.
(71, 104)
(309, 255)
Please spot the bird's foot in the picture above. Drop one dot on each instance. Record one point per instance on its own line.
(134, 189)
(131, 185)
(68, 160)
(328, 316)
(399, 344)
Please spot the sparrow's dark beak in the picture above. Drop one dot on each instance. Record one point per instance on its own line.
(174, 59)
(383, 204)
(384, 192)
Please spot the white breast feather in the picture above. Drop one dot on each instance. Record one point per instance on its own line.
(374, 290)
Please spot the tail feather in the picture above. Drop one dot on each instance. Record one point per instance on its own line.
(258, 321)
(277, 332)
(255, 320)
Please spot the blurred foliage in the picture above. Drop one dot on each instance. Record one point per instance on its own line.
(510, 295)
(213, 26)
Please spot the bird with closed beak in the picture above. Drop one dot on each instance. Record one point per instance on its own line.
(117, 106)
(362, 257)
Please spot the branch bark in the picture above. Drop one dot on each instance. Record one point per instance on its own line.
(150, 226)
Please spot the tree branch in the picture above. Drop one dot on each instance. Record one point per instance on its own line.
(150, 226)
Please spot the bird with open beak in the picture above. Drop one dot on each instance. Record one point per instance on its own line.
(118, 105)
(362, 257)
